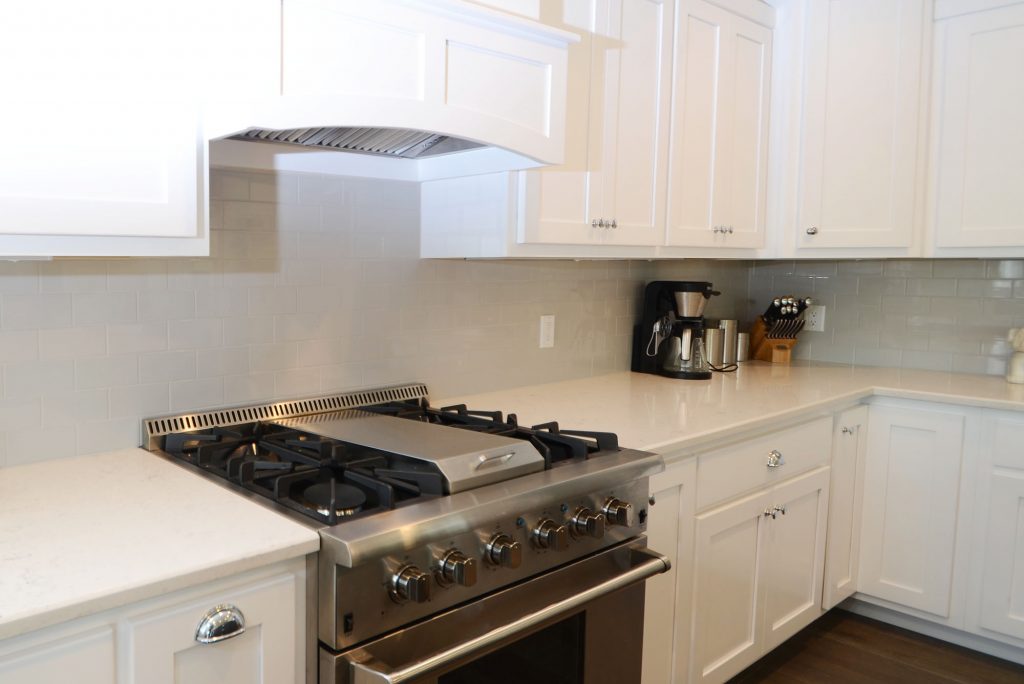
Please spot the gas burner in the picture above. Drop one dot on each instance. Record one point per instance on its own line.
(324, 497)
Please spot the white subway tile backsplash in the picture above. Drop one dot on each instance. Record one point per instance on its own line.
(36, 311)
(24, 446)
(200, 333)
(105, 307)
(251, 387)
(30, 379)
(71, 408)
(19, 414)
(107, 371)
(167, 366)
(73, 343)
(167, 306)
(226, 361)
(19, 345)
(201, 393)
(72, 276)
(135, 400)
(137, 337)
(107, 435)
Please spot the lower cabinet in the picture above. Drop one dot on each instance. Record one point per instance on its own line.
(911, 506)
(996, 592)
(155, 641)
(845, 505)
(667, 608)
(759, 564)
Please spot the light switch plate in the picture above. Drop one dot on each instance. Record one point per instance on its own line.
(547, 331)
(815, 318)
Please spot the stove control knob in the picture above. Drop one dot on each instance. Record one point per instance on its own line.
(586, 523)
(618, 512)
(457, 568)
(504, 551)
(410, 584)
(550, 535)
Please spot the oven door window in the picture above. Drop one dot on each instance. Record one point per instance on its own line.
(553, 655)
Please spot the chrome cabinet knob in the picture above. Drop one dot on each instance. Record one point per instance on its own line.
(775, 459)
(618, 512)
(615, 223)
(716, 229)
(458, 568)
(504, 551)
(550, 535)
(219, 623)
(586, 523)
(730, 230)
(780, 509)
(410, 584)
(813, 230)
(847, 431)
(594, 223)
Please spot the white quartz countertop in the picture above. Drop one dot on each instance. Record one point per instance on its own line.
(81, 535)
(671, 416)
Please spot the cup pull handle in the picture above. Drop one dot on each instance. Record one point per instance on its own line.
(221, 622)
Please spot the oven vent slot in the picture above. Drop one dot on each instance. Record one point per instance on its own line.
(154, 428)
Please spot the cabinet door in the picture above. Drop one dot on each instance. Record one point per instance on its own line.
(719, 131)
(845, 503)
(727, 616)
(110, 141)
(911, 494)
(629, 113)
(859, 170)
(1000, 537)
(978, 142)
(86, 658)
(164, 650)
(794, 560)
(667, 607)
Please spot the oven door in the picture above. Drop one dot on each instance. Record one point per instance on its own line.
(579, 624)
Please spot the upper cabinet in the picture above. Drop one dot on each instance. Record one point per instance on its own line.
(862, 90)
(719, 140)
(611, 189)
(977, 138)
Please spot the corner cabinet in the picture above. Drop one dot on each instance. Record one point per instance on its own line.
(154, 641)
(719, 140)
(845, 506)
(863, 86)
(977, 140)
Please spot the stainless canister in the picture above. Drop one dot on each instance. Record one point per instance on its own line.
(713, 346)
(730, 329)
(742, 347)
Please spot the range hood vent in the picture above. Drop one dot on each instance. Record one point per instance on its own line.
(388, 142)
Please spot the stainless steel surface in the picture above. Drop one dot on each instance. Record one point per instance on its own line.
(690, 304)
(813, 230)
(742, 347)
(410, 583)
(457, 568)
(686, 344)
(775, 459)
(467, 459)
(730, 329)
(586, 523)
(155, 428)
(547, 534)
(459, 637)
(389, 142)
(713, 345)
(221, 622)
(503, 551)
(618, 512)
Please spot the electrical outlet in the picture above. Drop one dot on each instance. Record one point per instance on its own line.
(547, 331)
(815, 317)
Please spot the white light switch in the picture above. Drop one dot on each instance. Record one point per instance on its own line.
(547, 331)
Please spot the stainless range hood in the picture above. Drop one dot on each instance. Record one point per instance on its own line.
(402, 143)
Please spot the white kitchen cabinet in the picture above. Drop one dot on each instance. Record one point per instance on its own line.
(977, 153)
(862, 88)
(719, 135)
(667, 608)
(52, 658)
(611, 188)
(153, 641)
(996, 591)
(110, 156)
(758, 574)
(911, 506)
(845, 506)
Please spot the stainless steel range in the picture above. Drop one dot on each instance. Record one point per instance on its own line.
(456, 545)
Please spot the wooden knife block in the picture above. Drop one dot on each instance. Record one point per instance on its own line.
(775, 350)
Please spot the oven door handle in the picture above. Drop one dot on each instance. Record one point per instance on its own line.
(644, 564)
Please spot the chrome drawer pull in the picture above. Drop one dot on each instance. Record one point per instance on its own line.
(775, 459)
(220, 622)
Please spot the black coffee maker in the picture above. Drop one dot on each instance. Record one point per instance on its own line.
(669, 340)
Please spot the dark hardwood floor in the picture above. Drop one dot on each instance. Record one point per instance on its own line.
(843, 648)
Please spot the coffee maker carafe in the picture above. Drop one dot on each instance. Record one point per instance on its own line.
(669, 340)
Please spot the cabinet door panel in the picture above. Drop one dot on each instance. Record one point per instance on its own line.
(795, 556)
(979, 147)
(1001, 542)
(164, 650)
(727, 635)
(858, 170)
(84, 659)
(631, 85)
(845, 504)
(660, 592)
(911, 494)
